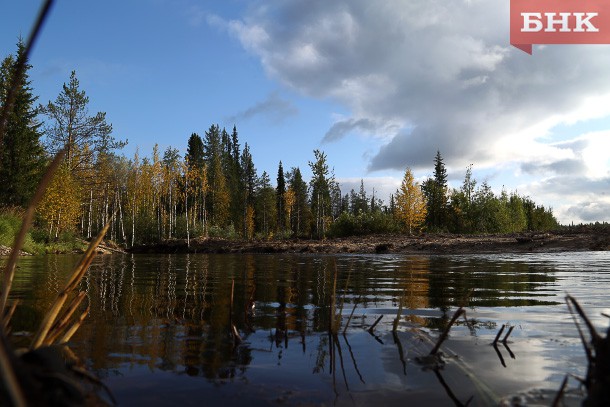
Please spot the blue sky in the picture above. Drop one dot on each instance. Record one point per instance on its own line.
(378, 86)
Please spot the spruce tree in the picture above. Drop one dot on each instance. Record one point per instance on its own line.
(280, 192)
(21, 153)
(249, 183)
(194, 152)
(435, 190)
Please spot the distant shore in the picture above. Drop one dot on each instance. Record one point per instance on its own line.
(565, 240)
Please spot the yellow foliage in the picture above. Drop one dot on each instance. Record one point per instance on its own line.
(289, 201)
(410, 203)
(60, 206)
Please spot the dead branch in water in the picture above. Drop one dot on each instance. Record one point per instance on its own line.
(499, 334)
(445, 333)
(350, 316)
(372, 327)
(597, 381)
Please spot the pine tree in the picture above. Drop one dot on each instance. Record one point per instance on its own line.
(71, 126)
(320, 186)
(21, 153)
(410, 203)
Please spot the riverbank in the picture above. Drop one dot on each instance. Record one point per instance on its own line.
(582, 239)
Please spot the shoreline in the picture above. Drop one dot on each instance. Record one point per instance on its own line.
(441, 243)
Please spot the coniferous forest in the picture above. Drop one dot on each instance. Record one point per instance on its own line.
(215, 189)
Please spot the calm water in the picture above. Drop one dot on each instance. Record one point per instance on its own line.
(159, 330)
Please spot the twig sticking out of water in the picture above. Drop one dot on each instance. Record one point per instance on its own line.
(560, 393)
(350, 316)
(398, 314)
(510, 330)
(445, 333)
(372, 328)
(499, 334)
(597, 381)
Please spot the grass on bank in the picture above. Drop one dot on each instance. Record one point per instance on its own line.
(37, 240)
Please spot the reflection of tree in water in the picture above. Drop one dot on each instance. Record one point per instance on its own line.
(173, 313)
(477, 282)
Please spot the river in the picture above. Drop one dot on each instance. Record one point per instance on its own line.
(160, 326)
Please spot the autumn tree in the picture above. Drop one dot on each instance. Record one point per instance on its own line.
(59, 208)
(21, 153)
(410, 203)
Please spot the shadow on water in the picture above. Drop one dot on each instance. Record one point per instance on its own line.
(257, 329)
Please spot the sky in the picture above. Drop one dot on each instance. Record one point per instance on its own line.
(379, 86)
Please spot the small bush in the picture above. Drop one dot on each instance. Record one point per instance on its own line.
(365, 223)
(228, 232)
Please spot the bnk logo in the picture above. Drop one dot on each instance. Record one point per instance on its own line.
(559, 22)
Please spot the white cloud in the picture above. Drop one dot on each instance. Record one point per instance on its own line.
(274, 108)
(443, 74)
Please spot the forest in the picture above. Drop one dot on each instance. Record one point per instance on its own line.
(214, 189)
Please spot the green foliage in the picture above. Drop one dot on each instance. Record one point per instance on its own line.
(364, 223)
(280, 192)
(21, 153)
(481, 211)
(70, 125)
(299, 209)
(435, 190)
(36, 240)
(9, 226)
(227, 232)
(320, 185)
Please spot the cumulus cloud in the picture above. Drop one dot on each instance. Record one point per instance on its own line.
(443, 73)
(273, 108)
(589, 212)
(381, 187)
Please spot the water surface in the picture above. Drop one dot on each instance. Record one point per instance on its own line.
(159, 329)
